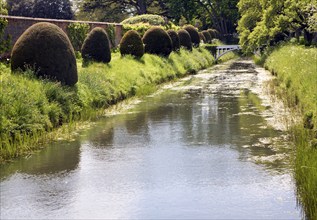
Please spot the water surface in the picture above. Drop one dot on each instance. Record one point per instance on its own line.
(203, 150)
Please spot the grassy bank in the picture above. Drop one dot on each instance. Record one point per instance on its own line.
(296, 70)
(31, 108)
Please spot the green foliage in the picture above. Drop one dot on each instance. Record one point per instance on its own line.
(96, 46)
(32, 107)
(175, 39)
(131, 44)
(213, 33)
(269, 22)
(185, 40)
(194, 35)
(207, 36)
(295, 69)
(202, 37)
(46, 49)
(4, 40)
(150, 19)
(141, 28)
(157, 41)
(111, 32)
(77, 33)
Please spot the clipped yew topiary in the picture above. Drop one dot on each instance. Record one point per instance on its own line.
(175, 39)
(194, 35)
(185, 40)
(213, 33)
(131, 44)
(96, 46)
(207, 36)
(45, 48)
(202, 37)
(157, 41)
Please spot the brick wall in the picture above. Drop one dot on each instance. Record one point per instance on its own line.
(17, 25)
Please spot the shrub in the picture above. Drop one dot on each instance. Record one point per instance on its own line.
(131, 43)
(4, 40)
(157, 41)
(213, 33)
(185, 40)
(175, 39)
(146, 18)
(46, 49)
(207, 36)
(77, 33)
(96, 46)
(202, 37)
(194, 35)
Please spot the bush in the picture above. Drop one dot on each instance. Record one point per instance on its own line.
(202, 37)
(185, 40)
(207, 36)
(213, 33)
(146, 18)
(96, 46)
(131, 43)
(157, 41)
(46, 49)
(77, 33)
(175, 39)
(194, 35)
(4, 40)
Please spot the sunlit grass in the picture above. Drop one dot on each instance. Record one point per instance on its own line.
(296, 71)
(30, 108)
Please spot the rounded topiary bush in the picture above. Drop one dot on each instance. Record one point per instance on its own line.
(194, 35)
(175, 39)
(202, 37)
(131, 44)
(213, 33)
(46, 49)
(157, 41)
(96, 46)
(207, 36)
(184, 39)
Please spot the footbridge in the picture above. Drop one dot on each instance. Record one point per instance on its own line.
(223, 49)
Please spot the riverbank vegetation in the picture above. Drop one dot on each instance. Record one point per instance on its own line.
(32, 107)
(295, 67)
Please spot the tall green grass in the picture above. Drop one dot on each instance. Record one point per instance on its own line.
(30, 108)
(296, 70)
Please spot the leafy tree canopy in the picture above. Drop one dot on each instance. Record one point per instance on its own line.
(55, 9)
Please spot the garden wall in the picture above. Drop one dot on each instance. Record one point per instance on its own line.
(17, 25)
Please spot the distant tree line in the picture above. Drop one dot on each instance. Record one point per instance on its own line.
(55, 9)
(221, 15)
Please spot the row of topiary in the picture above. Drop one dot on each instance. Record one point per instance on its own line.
(47, 50)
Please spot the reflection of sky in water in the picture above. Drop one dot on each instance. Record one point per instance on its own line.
(174, 156)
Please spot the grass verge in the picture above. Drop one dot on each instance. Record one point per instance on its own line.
(296, 70)
(31, 109)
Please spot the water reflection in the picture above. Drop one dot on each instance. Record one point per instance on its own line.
(177, 155)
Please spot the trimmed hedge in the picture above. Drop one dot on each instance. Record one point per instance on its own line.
(146, 18)
(175, 39)
(213, 33)
(157, 41)
(207, 36)
(131, 44)
(96, 46)
(202, 37)
(46, 49)
(185, 40)
(194, 35)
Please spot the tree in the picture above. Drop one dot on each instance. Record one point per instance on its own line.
(267, 22)
(4, 41)
(20, 8)
(56, 9)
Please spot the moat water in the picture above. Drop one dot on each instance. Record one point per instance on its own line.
(206, 147)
